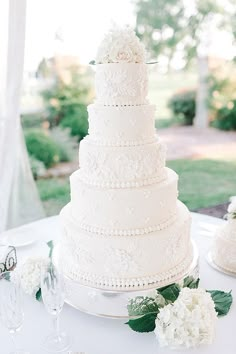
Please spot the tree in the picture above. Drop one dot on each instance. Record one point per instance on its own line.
(171, 26)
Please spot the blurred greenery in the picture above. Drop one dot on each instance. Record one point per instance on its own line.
(164, 26)
(202, 183)
(55, 193)
(42, 147)
(183, 106)
(66, 100)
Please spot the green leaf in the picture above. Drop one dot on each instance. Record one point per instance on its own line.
(141, 306)
(39, 295)
(191, 282)
(50, 245)
(92, 62)
(170, 292)
(145, 323)
(222, 300)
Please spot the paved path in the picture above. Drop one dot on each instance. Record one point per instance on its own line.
(190, 142)
(181, 142)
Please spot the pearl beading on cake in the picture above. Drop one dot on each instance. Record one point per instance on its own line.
(133, 283)
(131, 232)
(123, 184)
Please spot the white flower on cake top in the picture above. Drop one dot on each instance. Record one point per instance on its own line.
(188, 322)
(121, 45)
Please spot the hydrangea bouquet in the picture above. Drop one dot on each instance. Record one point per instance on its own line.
(29, 273)
(181, 316)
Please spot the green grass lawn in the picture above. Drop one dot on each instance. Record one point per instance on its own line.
(205, 183)
(202, 183)
(54, 193)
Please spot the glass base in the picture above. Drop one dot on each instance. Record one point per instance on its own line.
(56, 343)
(21, 351)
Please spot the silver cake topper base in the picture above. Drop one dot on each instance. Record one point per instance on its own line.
(110, 303)
(217, 267)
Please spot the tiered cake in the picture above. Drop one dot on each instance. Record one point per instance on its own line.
(224, 244)
(124, 227)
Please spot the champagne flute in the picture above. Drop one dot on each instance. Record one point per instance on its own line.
(53, 294)
(11, 309)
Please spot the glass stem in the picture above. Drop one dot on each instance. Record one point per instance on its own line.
(13, 339)
(56, 323)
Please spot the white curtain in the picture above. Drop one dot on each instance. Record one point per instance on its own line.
(19, 199)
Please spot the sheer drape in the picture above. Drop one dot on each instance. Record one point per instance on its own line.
(19, 200)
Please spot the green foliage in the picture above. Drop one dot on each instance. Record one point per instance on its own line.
(39, 295)
(140, 306)
(50, 245)
(77, 122)
(191, 282)
(222, 300)
(42, 147)
(37, 167)
(225, 118)
(183, 105)
(32, 120)
(145, 323)
(170, 292)
(68, 145)
(66, 101)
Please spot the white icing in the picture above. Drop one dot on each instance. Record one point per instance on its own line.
(124, 262)
(224, 246)
(126, 211)
(117, 165)
(121, 125)
(124, 227)
(121, 84)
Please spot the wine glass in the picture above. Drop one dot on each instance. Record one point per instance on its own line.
(53, 294)
(11, 309)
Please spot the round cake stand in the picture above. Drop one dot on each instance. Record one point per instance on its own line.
(217, 267)
(111, 303)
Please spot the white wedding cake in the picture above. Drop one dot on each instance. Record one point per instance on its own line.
(124, 227)
(224, 243)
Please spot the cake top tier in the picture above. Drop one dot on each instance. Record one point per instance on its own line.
(121, 45)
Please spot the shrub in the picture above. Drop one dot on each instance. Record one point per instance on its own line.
(67, 144)
(42, 147)
(66, 101)
(37, 167)
(225, 118)
(183, 106)
(77, 122)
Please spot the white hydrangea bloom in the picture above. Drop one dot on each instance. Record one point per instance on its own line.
(121, 45)
(188, 322)
(232, 208)
(29, 274)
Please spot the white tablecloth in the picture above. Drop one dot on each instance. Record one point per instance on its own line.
(93, 335)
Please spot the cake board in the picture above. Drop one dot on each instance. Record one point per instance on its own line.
(111, 303)
(217, 267)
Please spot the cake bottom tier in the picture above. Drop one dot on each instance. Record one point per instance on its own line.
(125, 262)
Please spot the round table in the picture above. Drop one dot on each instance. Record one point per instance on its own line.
(94, 335)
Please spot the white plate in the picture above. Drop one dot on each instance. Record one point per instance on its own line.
(18, 239)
